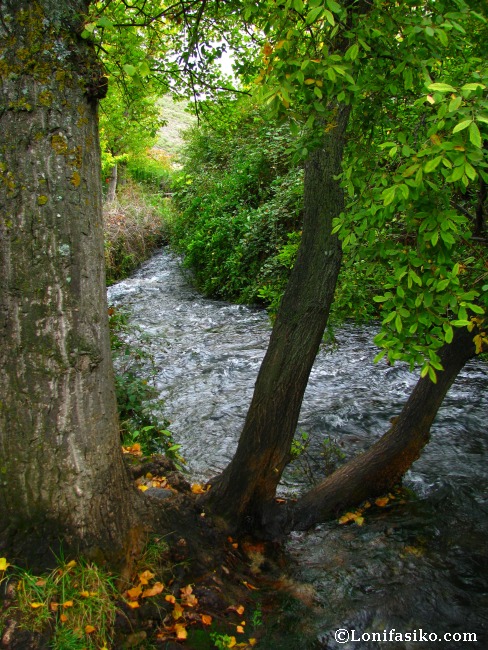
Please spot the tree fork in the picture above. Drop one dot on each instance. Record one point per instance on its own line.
(244, 492)
(382, 466)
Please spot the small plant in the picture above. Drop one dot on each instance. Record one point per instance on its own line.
(135, 391)
(77, 600)
(222, 641)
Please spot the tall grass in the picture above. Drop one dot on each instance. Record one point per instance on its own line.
(135, 225)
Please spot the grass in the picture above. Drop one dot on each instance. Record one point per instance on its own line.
(77, 600)
(135, 224)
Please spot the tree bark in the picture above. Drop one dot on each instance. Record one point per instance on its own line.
(381, 467)
(112, 184)
(243, 494)
(62, 476)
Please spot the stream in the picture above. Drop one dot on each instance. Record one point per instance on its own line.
(414, 571)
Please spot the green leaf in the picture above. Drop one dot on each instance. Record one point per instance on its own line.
(298, 5)
(313, 14)
(461, 126)
(455, 103)
(330, 17)
(129, 69)
(388, 195)
(441, 88)
(104, 22)
(475, 135)
(334, 6)
(474, 86)
(430, 165)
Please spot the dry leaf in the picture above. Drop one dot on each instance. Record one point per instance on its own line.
(170, 598)
(381, 501)
(89, 629)
(85, 594)
(68, 603)
(145, 576)
(240, 629)
(181, 633)
(156, 589)
(177, 611)
(63, 618)
(237, 608)
(133, 604)
(206, 619)
(3, 563)
(196, 488)
(53, 606)
(142, 488)
(36, 605)
(250, 586)
(134, 593)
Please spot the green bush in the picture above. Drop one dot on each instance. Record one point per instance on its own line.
(237, 198)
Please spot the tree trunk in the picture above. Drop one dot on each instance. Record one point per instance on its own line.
(381, 467)
(62, 476)
(244, 492)
(112, 184)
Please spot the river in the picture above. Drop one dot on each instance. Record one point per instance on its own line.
(418, 568)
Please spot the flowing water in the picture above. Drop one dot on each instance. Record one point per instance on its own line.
(418, 568)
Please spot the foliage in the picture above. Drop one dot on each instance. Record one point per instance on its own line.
(238, 196)
(135, 225)
(136, 393)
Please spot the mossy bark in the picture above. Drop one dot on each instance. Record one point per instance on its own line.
(245, 491)
(61, 472)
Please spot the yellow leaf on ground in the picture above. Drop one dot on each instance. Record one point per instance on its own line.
(240, 629)
(135, 592)
(232, 642)
(196, 488)
(237, 608)
(250, 586)
(71, 564)
(142, 488)
(53, 606)
(68, 603)
(349, 516)
(170, 598)
(40, 583)
(133, 604)
(63, 618)
(181, 633)
(177, 611)
(3, 563)
(36, 605)
(359, 520)
(156, 589)
(381, 501)
(85, 594)
(252, 642)
(206, 619)
(89, 629)
(145, 576)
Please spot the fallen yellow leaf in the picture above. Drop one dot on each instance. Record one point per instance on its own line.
(240, 629)
(85, 594)
(68, 603)
(181, 633)
(381, 501)
(170, 598)
(3, 563)
(145, 576)
(63, 618)
(250, 586)
(206, 619)
(177, 611)
(133, 604)
(142, 488)
(36, 605)
(196, 488)
(253, 641)
(135, 592)
(156, 589)
(89, 629)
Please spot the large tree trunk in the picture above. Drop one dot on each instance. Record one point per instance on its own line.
(381, 467)
(244, 493)
(62, 476)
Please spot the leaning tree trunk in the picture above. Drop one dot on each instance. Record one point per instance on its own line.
(243, 494)
(62, 476)
(381, 467)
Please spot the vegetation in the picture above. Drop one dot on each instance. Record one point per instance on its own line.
(135, 224)
(388, 114)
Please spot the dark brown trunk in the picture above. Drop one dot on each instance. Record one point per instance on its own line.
(245, 490)
(62, 477)
(380, 468)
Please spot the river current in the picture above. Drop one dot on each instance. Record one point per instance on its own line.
(419, 568)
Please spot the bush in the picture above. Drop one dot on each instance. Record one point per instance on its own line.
(237, 198)
(135, 224)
